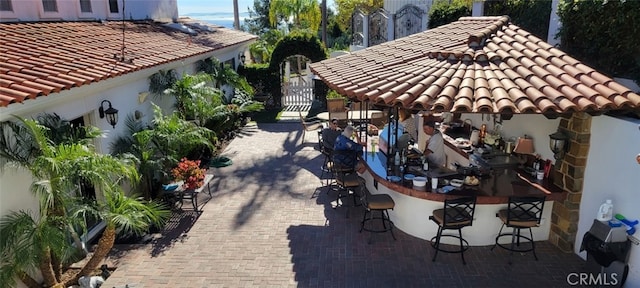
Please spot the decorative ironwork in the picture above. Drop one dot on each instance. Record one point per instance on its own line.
(358, 19)
(378, 23)
(408, 21)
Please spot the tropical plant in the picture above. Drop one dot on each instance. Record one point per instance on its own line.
(305, 14)
(258, 21)
(161, 80)
(228, 116)
(223, 75)
(31, 242)
(122, 215)
(150, 160)
(261, 49)
(445, 11)
(176, 137)
(194, 98)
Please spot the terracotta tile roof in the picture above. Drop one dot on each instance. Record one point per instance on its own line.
(37, 59)
(474, 65)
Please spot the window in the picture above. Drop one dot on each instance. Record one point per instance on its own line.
(113, 6)
(85, 6)
(49, 6)
(5, 5)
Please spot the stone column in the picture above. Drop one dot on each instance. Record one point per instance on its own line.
(569, 175)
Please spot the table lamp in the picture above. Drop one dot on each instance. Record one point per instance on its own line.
(523, 147)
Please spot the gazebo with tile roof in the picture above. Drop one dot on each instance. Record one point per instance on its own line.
(489, 65)
(475, 65)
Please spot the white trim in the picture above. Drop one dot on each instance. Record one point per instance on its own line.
(48, 14)
(114, 16)
(85, 15)
(9, 15)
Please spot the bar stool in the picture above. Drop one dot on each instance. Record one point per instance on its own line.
(456, 214)
(327, 166)
(521, 213)
(375, 203)
(346, 178)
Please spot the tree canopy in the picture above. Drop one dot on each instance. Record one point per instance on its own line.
(305, 14)
(345, 9)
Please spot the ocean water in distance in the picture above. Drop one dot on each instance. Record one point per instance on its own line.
(219, 18)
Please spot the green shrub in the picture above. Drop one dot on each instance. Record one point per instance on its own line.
(444, 11)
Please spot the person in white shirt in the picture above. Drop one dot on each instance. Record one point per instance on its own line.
(434, 150)
(409, 123)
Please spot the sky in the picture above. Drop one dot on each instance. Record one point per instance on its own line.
(210, 6)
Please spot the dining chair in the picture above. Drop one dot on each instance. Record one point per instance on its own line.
(523, 212)
(346, 178)
(311, 124)
(456, 214)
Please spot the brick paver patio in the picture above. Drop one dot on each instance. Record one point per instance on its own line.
(264, 227)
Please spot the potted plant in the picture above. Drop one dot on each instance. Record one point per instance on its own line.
(190, 172)
(335, 102)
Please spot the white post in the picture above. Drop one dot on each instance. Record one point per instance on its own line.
(554, 24)
(477, 9)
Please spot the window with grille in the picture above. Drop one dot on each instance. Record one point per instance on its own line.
(85, 6)
(49, 6)
(5, 5)
(113, 6)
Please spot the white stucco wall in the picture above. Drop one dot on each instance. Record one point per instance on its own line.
(32, 10)
(537, 127)
(612, 173)
(84, 101)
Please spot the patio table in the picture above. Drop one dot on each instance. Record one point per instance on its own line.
(351, 115)
(179, 194)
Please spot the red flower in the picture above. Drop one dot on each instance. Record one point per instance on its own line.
(190, 172)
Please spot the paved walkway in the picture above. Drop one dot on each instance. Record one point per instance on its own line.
(264, 227)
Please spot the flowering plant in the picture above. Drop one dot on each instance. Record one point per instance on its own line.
(190, 172)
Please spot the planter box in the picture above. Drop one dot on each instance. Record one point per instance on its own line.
(335, 105)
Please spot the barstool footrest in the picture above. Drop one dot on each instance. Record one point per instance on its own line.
(460, 249)
(507, 246)
(387, 223)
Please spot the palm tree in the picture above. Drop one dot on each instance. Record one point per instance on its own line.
(121, 214)
(149, 159)
(57, 169)
(305, 13)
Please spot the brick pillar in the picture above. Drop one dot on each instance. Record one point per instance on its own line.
(569, 175)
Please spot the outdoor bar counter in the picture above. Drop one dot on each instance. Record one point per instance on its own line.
(413, 207)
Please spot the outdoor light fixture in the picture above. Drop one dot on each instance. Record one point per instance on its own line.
(242, 58)
(111, 113)
(558, 142)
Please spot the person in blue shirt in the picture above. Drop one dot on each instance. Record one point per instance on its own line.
(345, 150)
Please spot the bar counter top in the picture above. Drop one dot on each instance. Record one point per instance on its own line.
(494, 188)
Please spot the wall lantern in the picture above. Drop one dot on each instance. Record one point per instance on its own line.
(111, 113)
(559, 143)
